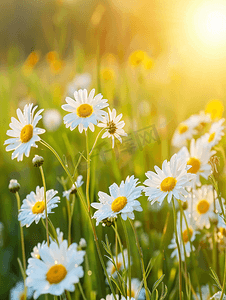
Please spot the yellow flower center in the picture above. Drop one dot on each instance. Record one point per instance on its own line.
(84, 110)
(108, 74)
(211, 137)
(222, 231)
(168, 184)
(182, 128)
(111, 127)
(186, 236)
(56, 274)
(118, 266)
(37, 256)
(39, 207)
(26, 133)
(203, 206)
(118, 204)
(195, 165)
(22, 296)
(215, 108)
(132, 293)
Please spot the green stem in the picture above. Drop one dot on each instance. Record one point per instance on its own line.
(95, 142)
(22, 246)
(224, 280)
(21, 233)
(141, 259)
(123, 256)
(81, 291)
(128, 249)
(44, 185)
(68, 295)
(88, 171)
(178, 247)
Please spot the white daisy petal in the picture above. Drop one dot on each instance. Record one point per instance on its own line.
(24, 131)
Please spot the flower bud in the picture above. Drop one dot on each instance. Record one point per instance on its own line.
(14, 186)
(82, 243)
(38, 161)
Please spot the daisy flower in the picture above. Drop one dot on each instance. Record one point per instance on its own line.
(122, 200)
(85, 110)
(203, 206)
(35, 253)
(185, 131)
(57, 270)
(205, 292)
(52, 119)
(113, 126)
(215, 108)
(81, 81)
(215, 134)
(74, 187)
(198, 158)
(136, 290)
(187, 234)
(17, 292)
(127, 298)
(110, 297)
(111, 270)
(24, 132)
(170, 181)
(217, 296)
(33, 207)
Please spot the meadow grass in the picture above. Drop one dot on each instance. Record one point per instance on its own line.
(151, 112)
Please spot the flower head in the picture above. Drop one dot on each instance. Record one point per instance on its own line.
(33, 207)
(52, 119)
(17, 292)
(198, 158)
(112, 269)
(187, 233)
(185, 131)
(215, 108)
(203, 206)
(35, 253)
(24, 132)
(113, 126)
(170, 181)
(215, 134)
(122, 200)
(81, 81)
(85, 110)
(14, 186)
(58, 269)
(74, 187)
(217, 296)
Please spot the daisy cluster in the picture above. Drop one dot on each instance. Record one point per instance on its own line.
(55, 267)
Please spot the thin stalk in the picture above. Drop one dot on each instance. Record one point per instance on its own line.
(44, 225)
(88, 171)
(141, 259)
(123, 256)
(224, 280)
(192, 255)
(178, 247)
(87, 212)
(128, 249)
(44, 185)
(21, 234)
(81, 291)
(68, 295)
(54, 231)
(22, 246)
(95, 142)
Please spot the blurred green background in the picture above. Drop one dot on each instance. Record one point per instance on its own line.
(189, 68)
